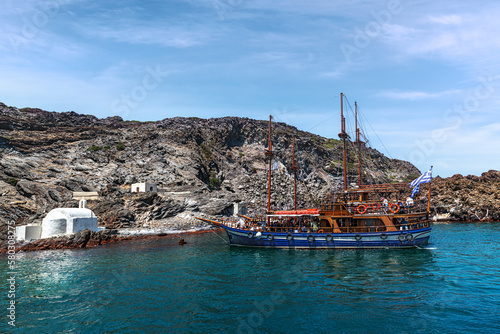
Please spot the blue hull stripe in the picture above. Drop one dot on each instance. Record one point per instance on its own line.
(396, 239)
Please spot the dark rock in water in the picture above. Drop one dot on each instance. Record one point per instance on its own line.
(82, 238)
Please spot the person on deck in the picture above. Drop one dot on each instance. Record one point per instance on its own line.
(314, 226)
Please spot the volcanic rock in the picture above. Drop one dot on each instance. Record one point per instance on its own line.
(201, 166)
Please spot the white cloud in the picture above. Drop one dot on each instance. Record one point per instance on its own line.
(469, 147)
(415, 95)
(28, 8)
(459, 38)
(447, 19)
(136, 34)
(397, 32)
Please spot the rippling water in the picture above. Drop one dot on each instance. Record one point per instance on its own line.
(206, 286)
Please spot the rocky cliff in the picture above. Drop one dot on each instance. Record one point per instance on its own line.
(470, 198)
(201, 166)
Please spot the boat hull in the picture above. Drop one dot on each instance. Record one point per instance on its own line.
(399, 239)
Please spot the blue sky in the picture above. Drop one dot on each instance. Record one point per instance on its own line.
(424, 73)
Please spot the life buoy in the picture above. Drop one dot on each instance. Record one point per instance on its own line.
(394, 205)
(289, 237)
(375, 206)
(410, 237)
(321, 231)
(357, 237)
(250, 235)
(402, 237)
(310, 238)
(361, 209)
(329, 238)
(270, 237)
(383, 236)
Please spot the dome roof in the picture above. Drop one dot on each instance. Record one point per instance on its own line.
(69, 213)
(62, 221)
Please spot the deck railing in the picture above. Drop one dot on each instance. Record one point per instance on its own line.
(374, 207)
(377, 209)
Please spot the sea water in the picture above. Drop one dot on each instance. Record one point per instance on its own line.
(207, 286)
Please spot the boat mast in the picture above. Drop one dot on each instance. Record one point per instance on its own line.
(269, 154)
(294, 169)
(358, 143)
(343, 135)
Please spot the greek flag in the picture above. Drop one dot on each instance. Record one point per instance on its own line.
(415, 190)
(424, 178)
(274, 166)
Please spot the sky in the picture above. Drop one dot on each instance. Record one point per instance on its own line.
(425, 74)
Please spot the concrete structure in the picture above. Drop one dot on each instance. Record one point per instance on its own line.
(63, 221)
(82, 204)
(240, 208)
(88, 195)
(143, 187)
(28, 232)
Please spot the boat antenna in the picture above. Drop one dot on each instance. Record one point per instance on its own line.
(343, 135)
(294, 169)
(269, 154)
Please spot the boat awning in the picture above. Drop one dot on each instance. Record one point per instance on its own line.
(294, 213)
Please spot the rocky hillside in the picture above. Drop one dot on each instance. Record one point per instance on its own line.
(200, 165)
(471, 197)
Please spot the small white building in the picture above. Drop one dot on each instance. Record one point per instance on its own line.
(64, 221)
(143, 187)
(28, 232)
(239, 208)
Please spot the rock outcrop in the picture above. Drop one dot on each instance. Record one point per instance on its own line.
(201, 166)
(469, 198)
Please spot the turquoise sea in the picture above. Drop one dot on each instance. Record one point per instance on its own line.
(206, 286)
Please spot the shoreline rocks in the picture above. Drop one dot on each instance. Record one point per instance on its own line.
(90, 239)
(469, 198)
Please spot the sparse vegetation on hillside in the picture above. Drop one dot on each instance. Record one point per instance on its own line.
(120, 146)
(214, 183)
(94, 148)
(12, 181)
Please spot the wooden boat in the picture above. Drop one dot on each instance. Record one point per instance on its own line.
(366, 216)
